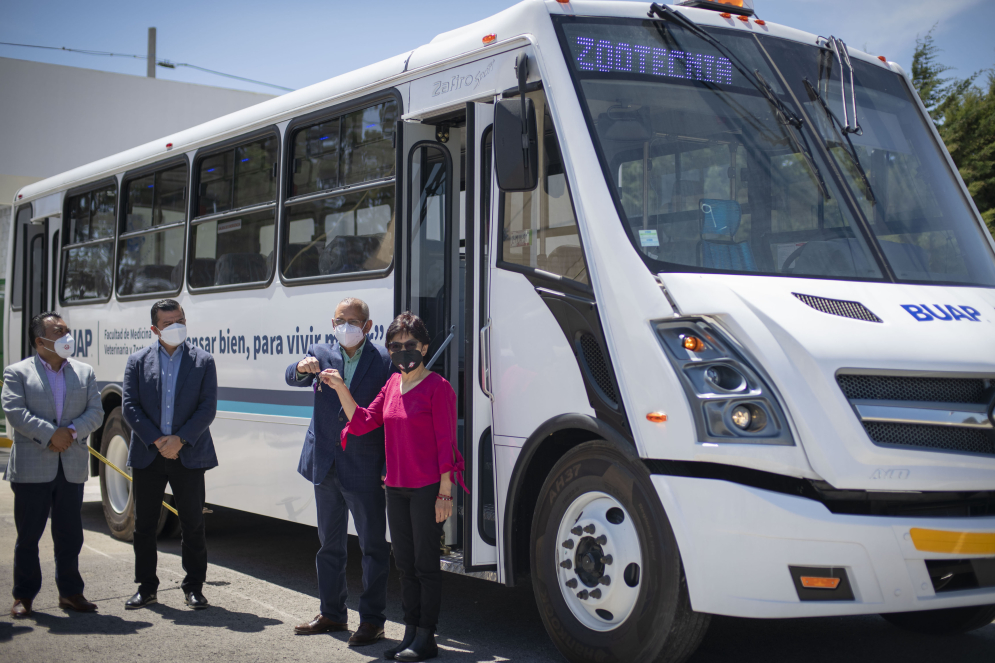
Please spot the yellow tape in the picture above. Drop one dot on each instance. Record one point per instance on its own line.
(960, 543)
(123, 473)
(6, 442)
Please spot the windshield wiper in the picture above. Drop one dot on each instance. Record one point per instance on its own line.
(843, 55)
(852, 152)
(785, 115)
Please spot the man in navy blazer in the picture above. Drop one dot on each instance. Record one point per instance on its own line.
(170, 399)
(346, 480)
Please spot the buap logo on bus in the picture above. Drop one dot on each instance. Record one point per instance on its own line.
(84, 339)
(945, 312)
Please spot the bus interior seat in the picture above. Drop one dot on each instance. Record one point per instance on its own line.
(201, 272)
(348, 253)
(234, 268)
(154, 278)
(720, 220)
(300, 260)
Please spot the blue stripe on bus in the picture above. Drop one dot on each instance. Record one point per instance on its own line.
(266, 408)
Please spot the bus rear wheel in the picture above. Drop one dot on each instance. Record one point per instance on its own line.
(606, 569)
(948, 621)
(115, 490)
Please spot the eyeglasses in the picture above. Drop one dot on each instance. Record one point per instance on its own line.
(338, 322)
(407, 345)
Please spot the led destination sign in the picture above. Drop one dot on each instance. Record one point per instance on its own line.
(605, 55)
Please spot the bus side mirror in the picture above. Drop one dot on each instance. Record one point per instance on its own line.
(516, 145)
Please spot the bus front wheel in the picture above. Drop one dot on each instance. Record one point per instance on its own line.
(606, 568)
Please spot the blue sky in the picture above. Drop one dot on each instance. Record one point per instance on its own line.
(295, 44)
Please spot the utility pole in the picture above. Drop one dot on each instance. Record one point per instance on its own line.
(150, 61)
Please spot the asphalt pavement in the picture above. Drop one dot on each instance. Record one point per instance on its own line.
(261, 582)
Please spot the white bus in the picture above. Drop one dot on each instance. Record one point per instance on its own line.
(717, 305)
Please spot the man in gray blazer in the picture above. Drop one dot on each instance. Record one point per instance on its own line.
(53, 405)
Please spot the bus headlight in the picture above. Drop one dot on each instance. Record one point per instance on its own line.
(730, 398)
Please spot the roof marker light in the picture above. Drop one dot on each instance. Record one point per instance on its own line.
(563, 2)
(882, 58)
(489, 39)
(656, 417)
(760, 21)
(744, 19)
(725, 15)
(169, 146)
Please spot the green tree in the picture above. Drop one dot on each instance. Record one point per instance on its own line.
(964, 115)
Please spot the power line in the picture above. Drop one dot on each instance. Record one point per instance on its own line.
(162, 63)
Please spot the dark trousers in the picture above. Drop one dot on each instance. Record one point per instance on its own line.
(334, 503)
(415, 537)
(188, 497)
(32, 504)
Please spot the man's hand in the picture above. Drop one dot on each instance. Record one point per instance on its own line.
(308, 365)
(332, 378)
(169, 446)
(61, 440)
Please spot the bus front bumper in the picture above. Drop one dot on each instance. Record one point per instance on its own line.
(739, 544)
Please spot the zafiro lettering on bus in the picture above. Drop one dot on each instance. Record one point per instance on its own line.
(946, 312)
(84, 339)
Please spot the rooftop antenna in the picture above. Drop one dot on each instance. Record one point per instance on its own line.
(150, 60)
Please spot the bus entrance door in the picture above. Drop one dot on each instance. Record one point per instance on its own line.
(431, 257)
(34, 278)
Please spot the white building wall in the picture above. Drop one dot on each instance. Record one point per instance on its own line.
(53, 117)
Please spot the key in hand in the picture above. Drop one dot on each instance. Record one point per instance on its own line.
(316, 383)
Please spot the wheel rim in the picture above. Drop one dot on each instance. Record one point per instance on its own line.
(118, 488)
(598, 561)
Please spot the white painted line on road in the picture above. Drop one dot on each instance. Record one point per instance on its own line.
(99, 552)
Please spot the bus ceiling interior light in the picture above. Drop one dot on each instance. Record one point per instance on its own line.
(742, 7)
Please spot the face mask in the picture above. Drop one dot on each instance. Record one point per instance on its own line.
(348, 335)
(65, 347)
(173, 334)
(407, 360)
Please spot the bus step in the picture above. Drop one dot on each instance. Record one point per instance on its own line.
(453, 563)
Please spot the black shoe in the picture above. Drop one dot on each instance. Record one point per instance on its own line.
(196, 600)
(421, 649)
(409, 637)
(140, 600)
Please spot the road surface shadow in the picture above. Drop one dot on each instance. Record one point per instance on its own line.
(79, 623)
(214, 616)
(8, 630)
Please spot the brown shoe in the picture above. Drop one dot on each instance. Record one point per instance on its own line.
(366, 634)
(320, 624)
(77, 602)
(22, 608)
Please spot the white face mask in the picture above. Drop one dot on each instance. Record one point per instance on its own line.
(349, 335)
(65, 347)
(173, 334)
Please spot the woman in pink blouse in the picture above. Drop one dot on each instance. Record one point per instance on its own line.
(417, 409)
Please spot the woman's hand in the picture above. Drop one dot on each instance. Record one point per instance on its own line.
(332, 378)
(444, 508)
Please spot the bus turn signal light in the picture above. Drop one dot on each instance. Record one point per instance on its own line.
(813, 582)
(693, 343)
(489, 39)
(656, 417)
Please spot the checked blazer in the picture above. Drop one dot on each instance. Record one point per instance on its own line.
(30, 410)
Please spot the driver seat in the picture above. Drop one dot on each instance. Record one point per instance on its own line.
(718, 249)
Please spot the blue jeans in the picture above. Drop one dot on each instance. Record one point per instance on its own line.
(368, 507)
(32, 504)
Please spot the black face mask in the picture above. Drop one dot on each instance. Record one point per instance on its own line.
(407, 360)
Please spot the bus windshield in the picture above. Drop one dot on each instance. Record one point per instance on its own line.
(739, 164)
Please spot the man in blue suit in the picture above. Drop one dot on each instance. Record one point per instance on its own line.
(170, 399)
(346, 480)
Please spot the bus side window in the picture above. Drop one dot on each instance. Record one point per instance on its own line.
(150, 244)
(341, 231)
(88, 232)
(228, 248)
(540, 227)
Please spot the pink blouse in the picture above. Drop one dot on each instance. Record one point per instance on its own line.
(419, 428)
